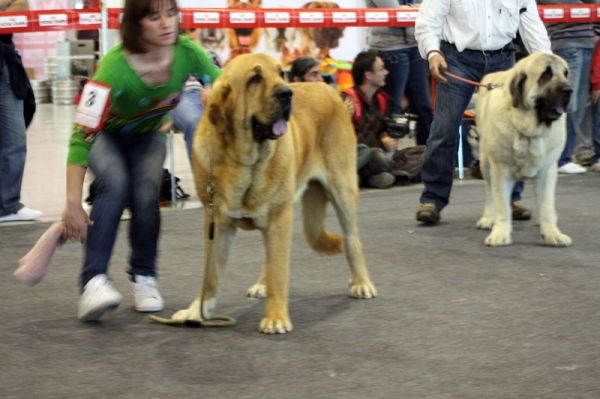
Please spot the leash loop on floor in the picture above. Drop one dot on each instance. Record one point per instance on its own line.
(214, 321)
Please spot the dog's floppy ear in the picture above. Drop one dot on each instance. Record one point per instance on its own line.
(217, 104)
(517, 88)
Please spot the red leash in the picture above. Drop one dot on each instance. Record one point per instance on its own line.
(488, 86)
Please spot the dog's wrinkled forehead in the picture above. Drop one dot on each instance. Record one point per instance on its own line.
(553, 67)
(253, 68)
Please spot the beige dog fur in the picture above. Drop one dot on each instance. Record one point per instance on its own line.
(256, 181)
(522, 125)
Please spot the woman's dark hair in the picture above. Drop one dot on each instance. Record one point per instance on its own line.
(363, 62)
(301, 65)
(130, 29)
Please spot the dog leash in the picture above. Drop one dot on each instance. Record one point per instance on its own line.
(215, 321)
(488, 86)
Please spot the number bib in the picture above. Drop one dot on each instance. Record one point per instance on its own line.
(93, 106)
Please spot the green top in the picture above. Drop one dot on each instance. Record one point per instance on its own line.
(134, 106)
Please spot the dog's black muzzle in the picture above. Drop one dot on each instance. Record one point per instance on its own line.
(283, 110)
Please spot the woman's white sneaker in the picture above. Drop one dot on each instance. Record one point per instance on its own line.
(97, 297)
(22, 214)
(596, 166)
(146, 295)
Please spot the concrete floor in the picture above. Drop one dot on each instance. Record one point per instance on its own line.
(454, 319)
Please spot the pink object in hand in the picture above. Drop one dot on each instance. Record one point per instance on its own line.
(33, 266)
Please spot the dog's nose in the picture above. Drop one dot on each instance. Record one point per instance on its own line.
(284, 94)
(566, 94)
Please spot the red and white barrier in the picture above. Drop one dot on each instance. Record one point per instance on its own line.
(87, 19)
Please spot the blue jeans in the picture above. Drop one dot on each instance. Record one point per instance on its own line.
(128, 170)
(595, 108)
(408, 76)
(451, 101)
(187, 115)
(579, 60)
(13, 146)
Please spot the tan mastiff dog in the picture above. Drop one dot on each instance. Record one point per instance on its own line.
(271, 142)
(522, 125)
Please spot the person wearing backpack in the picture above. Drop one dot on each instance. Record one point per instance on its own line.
(374, 112)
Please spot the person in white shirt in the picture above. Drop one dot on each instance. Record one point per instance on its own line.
(469, 38)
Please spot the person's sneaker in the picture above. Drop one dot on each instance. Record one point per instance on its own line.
(97, 297)
(22, 214)
(382, 180)
(146, 295)
(519, 211)
(571, 168)
(596, 166)
(428, 213)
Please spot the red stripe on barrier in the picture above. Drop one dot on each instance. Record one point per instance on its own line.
(86, 19)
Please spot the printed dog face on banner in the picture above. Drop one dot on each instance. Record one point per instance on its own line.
(243, 40)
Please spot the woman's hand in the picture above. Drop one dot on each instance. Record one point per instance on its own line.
(75, 220)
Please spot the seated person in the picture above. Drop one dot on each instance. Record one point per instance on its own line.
(308, 69)
(371, 106)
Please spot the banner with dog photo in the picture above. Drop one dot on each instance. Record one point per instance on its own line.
(333, 44)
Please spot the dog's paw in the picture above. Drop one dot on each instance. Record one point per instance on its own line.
(485, 223)
(257, 291)
(557, 240)
(193, 311)
(363, 291)
(498, 239)
(275, 326)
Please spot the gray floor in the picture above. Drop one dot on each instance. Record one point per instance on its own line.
(454, 319)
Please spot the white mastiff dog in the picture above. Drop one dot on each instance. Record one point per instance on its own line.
(522, 124)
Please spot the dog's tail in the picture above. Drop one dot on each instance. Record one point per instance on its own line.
(314, 209)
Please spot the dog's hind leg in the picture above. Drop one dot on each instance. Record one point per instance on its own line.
(216, 252)
(314, 211)
(545, 185)
(259, 289)
(344, 196)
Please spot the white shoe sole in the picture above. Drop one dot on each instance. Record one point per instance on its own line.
(149, 309)
(95, 314)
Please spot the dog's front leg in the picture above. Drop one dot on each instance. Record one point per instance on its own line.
(545, 185)
(501, 186)
(216, 252)
(487, 219)
(278, 241)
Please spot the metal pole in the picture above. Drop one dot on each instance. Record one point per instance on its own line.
(104, 28)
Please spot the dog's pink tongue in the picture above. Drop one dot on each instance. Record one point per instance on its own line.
(280, 127)
(560, 110)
